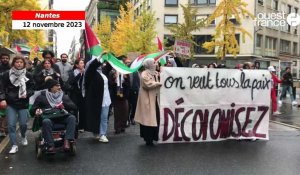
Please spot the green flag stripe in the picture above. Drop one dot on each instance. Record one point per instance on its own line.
(96, 50)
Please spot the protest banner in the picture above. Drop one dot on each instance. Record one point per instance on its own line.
(198, 105)
(183, 48)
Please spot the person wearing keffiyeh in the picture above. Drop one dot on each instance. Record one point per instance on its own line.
(15, 89)
(54, 98)
(47, 72)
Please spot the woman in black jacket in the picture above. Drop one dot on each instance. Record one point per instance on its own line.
(15, 89)
(75, 84)
(46, 73)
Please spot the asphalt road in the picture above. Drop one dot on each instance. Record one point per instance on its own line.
(290, 114)
(127, 154)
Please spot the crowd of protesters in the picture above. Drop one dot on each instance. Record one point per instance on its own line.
(90, 92)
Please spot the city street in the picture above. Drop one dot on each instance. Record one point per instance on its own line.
(205, 70)
(290, 114)
(127, 154)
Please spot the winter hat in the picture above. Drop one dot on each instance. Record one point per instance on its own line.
(50, 83)
(271, 69)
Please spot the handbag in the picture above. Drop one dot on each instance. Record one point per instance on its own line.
(52, 113)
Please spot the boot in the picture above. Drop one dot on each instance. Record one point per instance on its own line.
(66, 145)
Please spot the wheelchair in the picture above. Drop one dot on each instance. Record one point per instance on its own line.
(58, 134)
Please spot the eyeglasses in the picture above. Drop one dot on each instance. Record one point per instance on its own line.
(64, 57)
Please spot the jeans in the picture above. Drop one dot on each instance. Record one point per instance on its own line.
(104, 120)
(289, 89)
(47, 126)
(12, 114)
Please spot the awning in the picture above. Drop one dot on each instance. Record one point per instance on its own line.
(6, 50)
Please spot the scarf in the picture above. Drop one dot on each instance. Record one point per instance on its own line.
(79, 83)
(54, 98)
(119, 80)
(150, 67)
(18, 78)
(47, 72)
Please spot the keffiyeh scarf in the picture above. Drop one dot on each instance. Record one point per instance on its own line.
(54, 98)
(18, 78)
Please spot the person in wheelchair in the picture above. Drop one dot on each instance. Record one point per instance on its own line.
(55, 99)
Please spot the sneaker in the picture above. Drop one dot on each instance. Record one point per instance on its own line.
(96, 136)
(2, 134)
(24, 141)
(127, 124)
(279, 102)
(294, 103)
(277, 113)
(103, 139)
(13, 149)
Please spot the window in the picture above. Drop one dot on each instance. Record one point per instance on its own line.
(260, 2)
(285, 46)
(270, 43)
(289, 9)
(171, 19)
(275, 4)
(171, 2)
(295, 48)
(202, 2)
(205, 17)
(200, 39)
(296, 10)
(258, 40)
(283, 5)
(170, 40)
(270, 46)
(233, 20)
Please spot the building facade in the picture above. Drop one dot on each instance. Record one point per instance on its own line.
(95, 11)
(269, 45)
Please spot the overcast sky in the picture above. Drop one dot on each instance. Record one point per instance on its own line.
(64, 37)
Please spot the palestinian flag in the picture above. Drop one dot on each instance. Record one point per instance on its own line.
(159, 45)
(162, 60)
(93, 47)
(137, 63)
(38, 49)
(22, 48)
(95, 50)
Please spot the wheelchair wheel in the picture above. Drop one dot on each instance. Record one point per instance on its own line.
(73, 149)
(38, 149)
